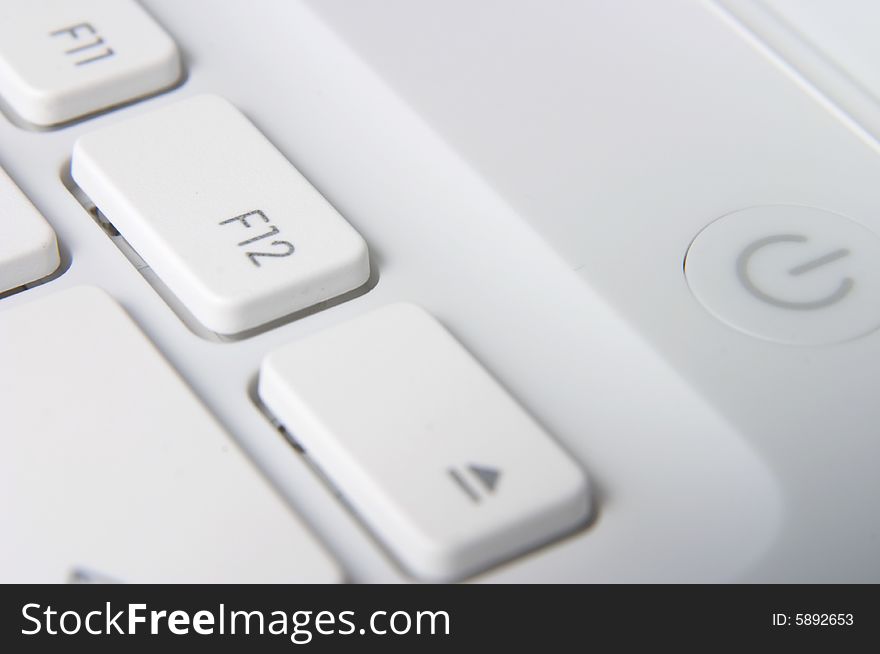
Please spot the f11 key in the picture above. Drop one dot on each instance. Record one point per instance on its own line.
(64, 59)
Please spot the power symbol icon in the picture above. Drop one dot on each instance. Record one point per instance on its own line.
(745, 278)
(789, 274)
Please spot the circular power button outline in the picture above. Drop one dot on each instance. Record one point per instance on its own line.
(790, 274)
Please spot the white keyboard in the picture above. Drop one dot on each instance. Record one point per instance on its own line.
(315, 292)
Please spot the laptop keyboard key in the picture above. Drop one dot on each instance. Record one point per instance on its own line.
(111, 469)
(444, 466)
(28, 249)
(227, 223)
(63, 59)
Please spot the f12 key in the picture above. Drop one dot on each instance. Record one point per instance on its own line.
(222, 217)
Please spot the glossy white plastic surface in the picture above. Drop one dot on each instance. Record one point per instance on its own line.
(617, 135)
(538, 195)
(62, 59)
(831, 48)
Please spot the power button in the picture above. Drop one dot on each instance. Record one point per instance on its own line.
(789, 274)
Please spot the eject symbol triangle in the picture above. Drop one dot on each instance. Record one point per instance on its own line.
(487, 476)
